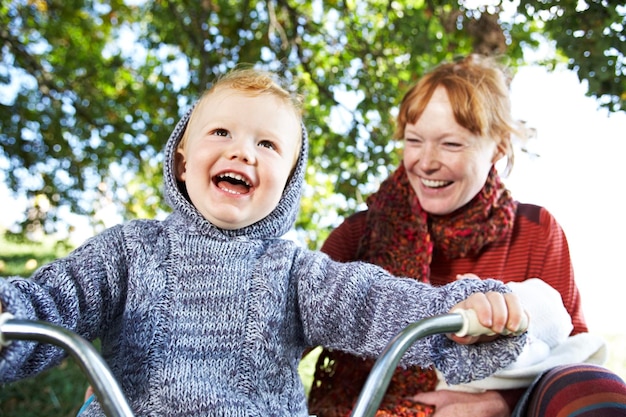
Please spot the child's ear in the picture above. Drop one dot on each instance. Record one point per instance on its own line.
(180, 165)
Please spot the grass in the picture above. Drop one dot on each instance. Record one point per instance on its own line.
(59, 391)
(56, 392)
(19, 256)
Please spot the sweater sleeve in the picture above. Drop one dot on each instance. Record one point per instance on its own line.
(358, 308)
(80, 292)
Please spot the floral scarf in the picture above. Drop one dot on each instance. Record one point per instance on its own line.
(401, 237)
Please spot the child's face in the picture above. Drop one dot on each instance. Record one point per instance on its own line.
(238, 157)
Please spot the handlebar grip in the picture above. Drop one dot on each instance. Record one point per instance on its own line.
(472, 326)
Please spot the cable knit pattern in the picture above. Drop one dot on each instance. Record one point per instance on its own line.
(199, 321)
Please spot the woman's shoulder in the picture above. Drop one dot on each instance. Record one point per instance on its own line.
(536, 215)
(532, 212)
(535, 226)
(343, 242)
(358, 218)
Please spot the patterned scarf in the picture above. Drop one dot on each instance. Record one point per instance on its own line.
(401, 237)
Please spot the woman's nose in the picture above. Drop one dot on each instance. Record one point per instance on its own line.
(429, 157)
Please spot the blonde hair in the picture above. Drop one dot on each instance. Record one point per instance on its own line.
(253, 82)
(478, 89)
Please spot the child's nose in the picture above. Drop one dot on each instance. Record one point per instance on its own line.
(243, 151)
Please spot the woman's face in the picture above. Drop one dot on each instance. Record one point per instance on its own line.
(446, 164)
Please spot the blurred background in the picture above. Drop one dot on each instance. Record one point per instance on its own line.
(89, 92)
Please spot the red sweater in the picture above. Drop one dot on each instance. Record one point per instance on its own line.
(535, 248)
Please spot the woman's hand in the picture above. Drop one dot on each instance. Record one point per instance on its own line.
(495, 311)
(456, 404)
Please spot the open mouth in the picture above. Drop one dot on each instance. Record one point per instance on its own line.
(435, 183)
(232, 183)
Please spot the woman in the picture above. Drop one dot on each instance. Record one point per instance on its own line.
(443, 213)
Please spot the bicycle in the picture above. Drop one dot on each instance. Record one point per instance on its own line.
(115, 404)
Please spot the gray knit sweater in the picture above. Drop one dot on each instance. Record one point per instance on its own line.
(199, 321)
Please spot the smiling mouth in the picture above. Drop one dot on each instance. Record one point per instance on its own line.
(232, 183)
(435, 183)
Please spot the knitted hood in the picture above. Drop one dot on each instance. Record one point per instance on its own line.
(275, 225)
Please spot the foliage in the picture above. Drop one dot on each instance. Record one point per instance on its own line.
(98, 86)
(20, 256)
(591, 34)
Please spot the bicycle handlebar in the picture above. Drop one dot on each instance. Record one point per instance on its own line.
(460, 322)
(113, 400)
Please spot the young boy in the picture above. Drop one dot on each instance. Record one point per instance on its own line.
(209, 311)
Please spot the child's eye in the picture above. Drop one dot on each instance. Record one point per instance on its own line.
(267, 144)
(220, 132)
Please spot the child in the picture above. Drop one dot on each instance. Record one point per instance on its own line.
(209, 311)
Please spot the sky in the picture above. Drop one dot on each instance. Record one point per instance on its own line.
(578, 176)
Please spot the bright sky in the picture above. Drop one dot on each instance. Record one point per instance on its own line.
(578, 177)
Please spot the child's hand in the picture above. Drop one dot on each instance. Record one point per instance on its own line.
(495, 311)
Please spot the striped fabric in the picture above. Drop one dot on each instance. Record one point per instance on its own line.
(575, 391)
(536, 248)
